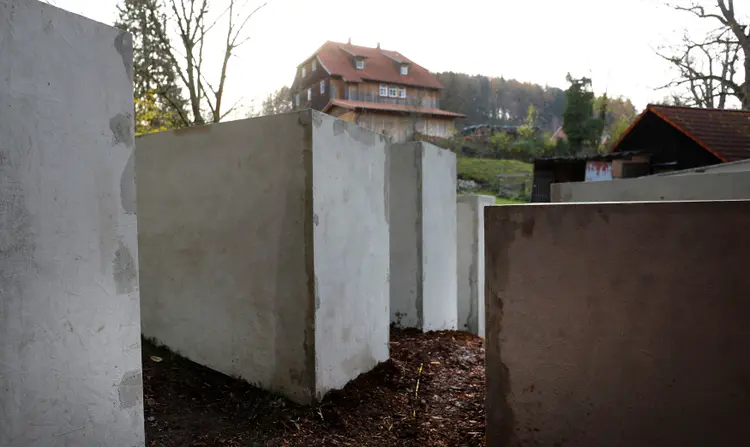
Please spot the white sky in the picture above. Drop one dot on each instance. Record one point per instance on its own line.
(539, 41)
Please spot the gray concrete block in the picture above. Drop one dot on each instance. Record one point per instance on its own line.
(264, 249)
(618, 324)
(713, 185)
(70, 357)
(423, 236)
(470, 249)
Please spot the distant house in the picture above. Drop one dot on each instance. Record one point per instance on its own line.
(662, 139)
(378, 89)
(679, 138)
(559, 134)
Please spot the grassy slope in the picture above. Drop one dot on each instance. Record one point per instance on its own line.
(485, 171)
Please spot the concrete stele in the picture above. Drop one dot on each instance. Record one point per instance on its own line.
(618, 324)
(470, 249)
(70, 357)
(423, 236)
(264, 249)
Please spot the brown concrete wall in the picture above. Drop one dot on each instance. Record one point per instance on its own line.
(618, 324)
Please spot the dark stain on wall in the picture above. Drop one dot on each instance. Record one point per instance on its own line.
(122, 129)
(127, 186)
(124, 270)
(500, 418)
(124, 46)
(130, 389)
(17, 239)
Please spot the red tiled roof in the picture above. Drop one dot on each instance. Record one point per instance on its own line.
(724, 133)
(380, 65)
(390, 108)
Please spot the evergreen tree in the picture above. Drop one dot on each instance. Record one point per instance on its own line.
(582, 127)
(158, 98)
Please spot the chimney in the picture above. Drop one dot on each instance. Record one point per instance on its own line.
(349, 41)
(378, 45)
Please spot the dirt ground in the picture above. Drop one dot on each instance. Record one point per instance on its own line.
(431, 393)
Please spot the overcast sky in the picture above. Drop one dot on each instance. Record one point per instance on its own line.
(611, 41)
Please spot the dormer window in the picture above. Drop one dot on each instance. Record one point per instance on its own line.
(314, 65)
(360, 64)
(404, 70)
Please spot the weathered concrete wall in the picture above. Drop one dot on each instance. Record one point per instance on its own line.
(423, 236)
(439, 250)
(618, 324)
(470, 218)
(352, 256)
(735, 166)
(70, 357)
(257, 249)
(723, 186)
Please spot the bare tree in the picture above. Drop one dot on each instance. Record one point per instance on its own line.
(193, 26)
(708, 68)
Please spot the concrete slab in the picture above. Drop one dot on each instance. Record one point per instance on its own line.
(70, 357)
(618, 324)
(423, 236)
(470, 249)
(690, 186)
(264, 249)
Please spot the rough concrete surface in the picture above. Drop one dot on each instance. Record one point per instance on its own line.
(470, 271)
(350, 214)
(423, 236)
(70, 357)
(245, 229)
(618, 324)
(696, 186)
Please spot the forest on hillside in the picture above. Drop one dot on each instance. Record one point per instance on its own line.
(500, 101)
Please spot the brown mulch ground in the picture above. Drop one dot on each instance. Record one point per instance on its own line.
(189, 405)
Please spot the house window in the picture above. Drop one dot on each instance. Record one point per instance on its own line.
(404, 70)
(402, 93)
(304, 72)
(296, 99)
(322, 86)
(309, 94)
(383, 90)
(360, 64)
(393, 92)
(314, 65)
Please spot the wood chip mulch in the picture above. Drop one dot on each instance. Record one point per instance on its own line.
(430, 393)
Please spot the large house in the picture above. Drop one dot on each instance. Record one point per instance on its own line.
(377, 89)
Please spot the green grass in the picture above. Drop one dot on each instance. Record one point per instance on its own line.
(486, 170)
(501, 200)
(504, 201)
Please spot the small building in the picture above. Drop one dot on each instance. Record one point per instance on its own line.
(377, 89)
(585, 168)
(662, 139)
(680, 138)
